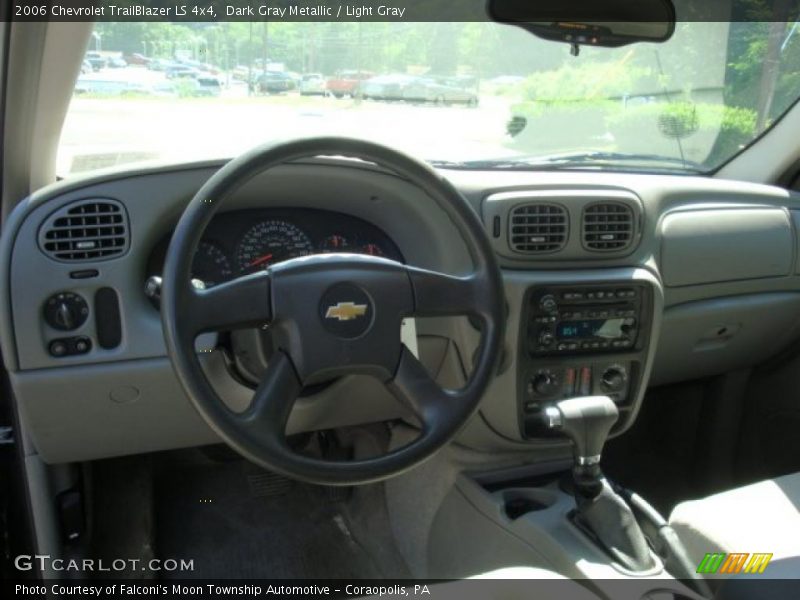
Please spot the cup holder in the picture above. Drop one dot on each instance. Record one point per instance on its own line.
(519, 502)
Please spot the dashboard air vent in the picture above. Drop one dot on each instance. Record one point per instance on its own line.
(86, 230)
(538, 228)
(608, 226)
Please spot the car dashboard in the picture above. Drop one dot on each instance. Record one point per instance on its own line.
(614, 282)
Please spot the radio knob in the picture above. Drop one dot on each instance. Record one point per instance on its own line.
(544, 384)
(613, 379)
(546, 338)
(548, 303)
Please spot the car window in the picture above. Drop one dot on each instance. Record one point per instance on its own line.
(483, 93)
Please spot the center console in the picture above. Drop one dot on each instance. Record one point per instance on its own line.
(581, 340)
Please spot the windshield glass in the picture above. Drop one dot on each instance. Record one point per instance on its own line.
(469, 95)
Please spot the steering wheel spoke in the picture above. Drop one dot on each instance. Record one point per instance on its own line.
(414, 386)
(243, 302)
(439, 294)
(273, 399)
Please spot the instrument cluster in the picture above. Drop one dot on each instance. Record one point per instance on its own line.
(241, 242)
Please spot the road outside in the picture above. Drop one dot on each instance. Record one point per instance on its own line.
(127, 129)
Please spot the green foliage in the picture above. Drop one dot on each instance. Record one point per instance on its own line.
(185, 87)
(584, 81)
(731, 127)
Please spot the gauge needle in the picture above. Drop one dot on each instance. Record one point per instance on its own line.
(261, 261)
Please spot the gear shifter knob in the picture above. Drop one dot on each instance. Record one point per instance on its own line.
(587, 422)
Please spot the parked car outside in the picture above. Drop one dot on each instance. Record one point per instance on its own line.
(159, 64)
(117, 63)
(240, 73)
(427, 90)
(138, 59)
(274, 82)
(345, 83)
(86, 67)
(109, 87)
(180, 71)
(97, 60)
(386, 87)
(207, 85)
(313, 84)
(201, 66)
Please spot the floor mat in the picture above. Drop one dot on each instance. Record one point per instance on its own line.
(237, 521)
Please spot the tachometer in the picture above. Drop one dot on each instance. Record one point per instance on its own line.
(335, 243)
(211, 265)
(271, 242)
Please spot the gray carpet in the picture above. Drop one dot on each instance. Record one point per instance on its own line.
(238, 521)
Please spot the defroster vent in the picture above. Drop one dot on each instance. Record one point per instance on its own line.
(538, 228)
(86, 230)
(608, 226)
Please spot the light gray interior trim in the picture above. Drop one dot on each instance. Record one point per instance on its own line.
(709, 337)
(38, 95)
(707, 246)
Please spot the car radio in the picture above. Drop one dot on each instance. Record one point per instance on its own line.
(580, 320)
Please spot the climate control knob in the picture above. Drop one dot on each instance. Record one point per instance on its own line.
(544, 383)
(65, 311)
(613, 378)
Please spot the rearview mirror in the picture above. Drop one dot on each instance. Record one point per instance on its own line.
(609, 23)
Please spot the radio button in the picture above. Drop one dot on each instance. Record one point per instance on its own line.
(586, 381)
(572, 295)
(532, 407)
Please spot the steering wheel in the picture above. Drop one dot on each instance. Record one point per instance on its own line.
(330, 315)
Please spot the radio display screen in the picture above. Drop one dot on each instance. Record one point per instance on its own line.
(589, 328)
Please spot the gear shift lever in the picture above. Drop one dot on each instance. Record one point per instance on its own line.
(587, 422)
(600, 510)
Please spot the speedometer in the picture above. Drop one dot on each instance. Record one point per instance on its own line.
(270, 242)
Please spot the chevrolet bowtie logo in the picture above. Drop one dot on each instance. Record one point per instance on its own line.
(346, 311)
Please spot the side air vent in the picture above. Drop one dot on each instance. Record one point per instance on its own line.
(538, 228)
(608, 226)
(86, 230)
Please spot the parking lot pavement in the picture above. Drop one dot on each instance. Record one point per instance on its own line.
(198, 128)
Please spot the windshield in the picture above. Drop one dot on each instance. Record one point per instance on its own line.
(467, 95)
